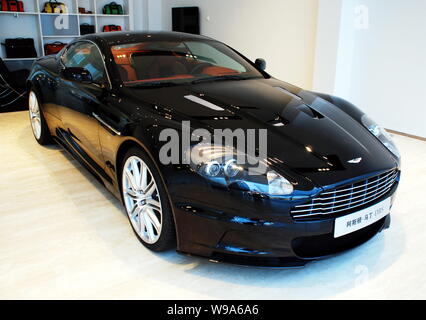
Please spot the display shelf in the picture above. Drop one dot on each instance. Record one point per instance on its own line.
(58, 14)
(18, 13)
(18, 59)
(112, 15)
(43, 27)
(62, 36)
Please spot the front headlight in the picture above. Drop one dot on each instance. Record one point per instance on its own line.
(219, 165)
(381, 134)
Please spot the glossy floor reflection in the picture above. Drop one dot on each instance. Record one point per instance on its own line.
(62, 235)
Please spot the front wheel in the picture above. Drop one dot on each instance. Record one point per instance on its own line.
(38, 122)
(146, 201)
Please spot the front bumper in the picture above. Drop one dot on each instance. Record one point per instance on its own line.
(276, 240)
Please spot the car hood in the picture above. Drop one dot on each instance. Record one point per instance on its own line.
(307, 135)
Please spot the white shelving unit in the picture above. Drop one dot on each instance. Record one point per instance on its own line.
(43, 27)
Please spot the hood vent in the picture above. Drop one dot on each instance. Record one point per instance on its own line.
(291, 94)
(310, 111)
(303, 107)
(279, 121)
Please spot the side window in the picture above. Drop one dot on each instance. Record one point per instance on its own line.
(67, 54)
(87, 56)
(207, 53)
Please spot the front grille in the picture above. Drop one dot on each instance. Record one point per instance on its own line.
(345, 199)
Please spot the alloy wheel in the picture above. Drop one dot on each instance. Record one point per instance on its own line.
(142, 199)
(35, 115)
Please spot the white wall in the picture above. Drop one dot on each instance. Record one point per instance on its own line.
(327, 45)
(281, 31)
(148, 14)
(382, 68)
(140, 15)
(155, 14)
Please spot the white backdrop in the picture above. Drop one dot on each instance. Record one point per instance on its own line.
(378, 59)
(280, 31)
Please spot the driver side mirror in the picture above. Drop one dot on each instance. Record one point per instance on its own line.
(260, 63)
(78, 75)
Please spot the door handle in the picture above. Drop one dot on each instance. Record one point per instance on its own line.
(97, 117)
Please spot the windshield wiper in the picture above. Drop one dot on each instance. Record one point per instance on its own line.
(151, 84)
(219, 78)
(159, 84)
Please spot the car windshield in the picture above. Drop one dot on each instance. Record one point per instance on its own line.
(175, 62)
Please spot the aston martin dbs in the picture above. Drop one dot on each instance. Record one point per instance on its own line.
(113, 100)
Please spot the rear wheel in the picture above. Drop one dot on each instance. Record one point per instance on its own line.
(146, 201)
(38, 123)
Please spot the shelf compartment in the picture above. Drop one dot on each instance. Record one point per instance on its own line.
(71, 6)
(89, 5)
(28, 28)
(59, 25)
(101, 3)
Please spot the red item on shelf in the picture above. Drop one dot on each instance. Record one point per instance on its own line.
(111, 28)
(12, 5)
(53, 48)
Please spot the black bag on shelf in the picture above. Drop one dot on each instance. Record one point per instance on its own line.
(86, 28)
(20, 48)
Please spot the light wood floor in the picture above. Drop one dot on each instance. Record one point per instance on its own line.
(63, 236)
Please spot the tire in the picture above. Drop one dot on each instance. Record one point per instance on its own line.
(146, 202)
(38, 122)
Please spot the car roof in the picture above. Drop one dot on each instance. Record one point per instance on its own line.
(122, 37)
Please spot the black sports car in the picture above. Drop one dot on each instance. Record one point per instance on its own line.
(115, 100)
